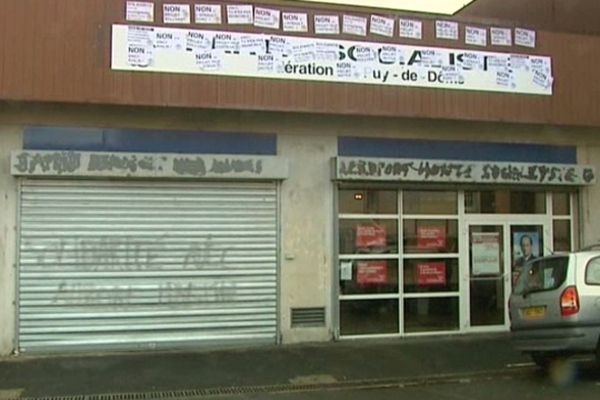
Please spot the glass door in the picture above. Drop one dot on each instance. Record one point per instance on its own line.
(487, 276)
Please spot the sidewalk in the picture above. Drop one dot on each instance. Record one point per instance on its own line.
(271, 365)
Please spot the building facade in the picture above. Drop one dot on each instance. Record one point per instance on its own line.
(148, 206)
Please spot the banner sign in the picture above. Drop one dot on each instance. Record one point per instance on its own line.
(418, 170)
(371, 273)
(146, 165)
(253, 55)
(370, 236)
(431, 274)
(431, 237)
(485, 249)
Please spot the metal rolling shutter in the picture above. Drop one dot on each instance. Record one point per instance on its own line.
(116, 265)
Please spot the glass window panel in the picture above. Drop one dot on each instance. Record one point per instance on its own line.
(562, 235)
(430, 275)
(592, 272)
(369, 276)
(368, 236)
(561, 204)
(424, 236)
(505, 202)
(361, 317)
(364, 201)
(429, 202)
(431, 314)
(487, 301)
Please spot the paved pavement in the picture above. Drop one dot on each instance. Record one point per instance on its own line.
(307, 364)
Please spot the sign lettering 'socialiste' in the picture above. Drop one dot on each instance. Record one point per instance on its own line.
(178, 50)
(408, 170)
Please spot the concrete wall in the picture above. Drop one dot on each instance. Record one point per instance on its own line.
(10, 139)
(589, 198)
(307, 231)
(307, 208)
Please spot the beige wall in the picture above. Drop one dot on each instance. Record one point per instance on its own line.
(10, 139)
(307, 209)
(306, 231)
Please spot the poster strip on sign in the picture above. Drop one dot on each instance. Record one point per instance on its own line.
(524, 37)
(371, 273)
(382, 26)
(485, 249)
(208, 13)
(176, 14)
(370, 236)
(327, 24)
(476, 36)
(446, 30)
(354, 25)
(140, 11)
(240, 14)
(411, 29)
(297, 58)
(501, 36)
(431, 237)
(266, 18)
(431, 274)
(295, 22)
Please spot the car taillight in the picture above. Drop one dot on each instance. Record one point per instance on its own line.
(569, 301)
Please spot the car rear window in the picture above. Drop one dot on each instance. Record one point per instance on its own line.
(592, 272)
(543, 274)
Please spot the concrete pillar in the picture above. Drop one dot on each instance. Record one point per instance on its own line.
(590, 198)
(306, 232)
(10, 139)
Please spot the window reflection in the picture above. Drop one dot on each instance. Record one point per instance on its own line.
(505, 202)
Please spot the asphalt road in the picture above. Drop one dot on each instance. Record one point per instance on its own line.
(531, 385)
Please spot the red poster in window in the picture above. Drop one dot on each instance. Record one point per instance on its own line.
(370, 236)
(431, 237)
(371, 273)
(431, 274)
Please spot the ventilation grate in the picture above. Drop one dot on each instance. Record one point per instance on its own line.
(308, 317)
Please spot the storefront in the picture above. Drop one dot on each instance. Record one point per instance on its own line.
(122, 250)
(419, 255)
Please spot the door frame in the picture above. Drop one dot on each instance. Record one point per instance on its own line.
(506, 221)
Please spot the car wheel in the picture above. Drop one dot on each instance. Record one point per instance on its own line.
(542, 360)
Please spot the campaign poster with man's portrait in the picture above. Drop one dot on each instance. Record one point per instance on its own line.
(526, 247)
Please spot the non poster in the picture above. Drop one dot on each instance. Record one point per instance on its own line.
(476, 36)
(354, 25)
(446, 30)
(327, 24)
(176, 13)
(266, 18)
(411, 29)
(240, 14)
(382, 26)
(208, 13)
(501, 36)
(140, 11)
(524, 37)
(295, 22)
(485, 250)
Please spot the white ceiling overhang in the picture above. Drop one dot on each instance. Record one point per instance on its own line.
(448, 7)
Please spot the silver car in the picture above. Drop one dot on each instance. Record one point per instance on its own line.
(555, 307)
